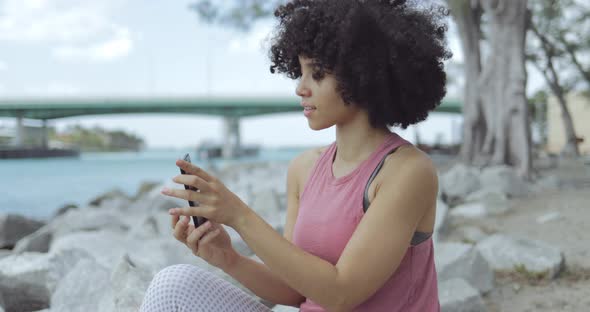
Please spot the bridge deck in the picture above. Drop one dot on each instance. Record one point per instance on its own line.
(243, 106)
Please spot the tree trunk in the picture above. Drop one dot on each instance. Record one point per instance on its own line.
(570, 149)
(467, 18)
(552, 78)
(502, 87)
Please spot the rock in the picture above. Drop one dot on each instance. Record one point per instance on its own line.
(458, 182)
(266, 203)
(456, 295)
(64, 209)
(115, 193)
(471, 234)
(546, 183)
(508, 253)
(107, 248)
(114, 204)
(5, 253)
(148, 228)
(85, 288)
(550, 216)
(458, 260)
(14, 227)
(491, 206)
(79, 220)
(486, 194)
(154, 201)
(130, 280)
(441, 220)
(145, 188)
(27, 280)
(504, 180)
(38, 241)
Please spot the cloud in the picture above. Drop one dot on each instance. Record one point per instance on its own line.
(253, 41)
(56, 88)
(117, 47)
(2, 66)
(84, 29)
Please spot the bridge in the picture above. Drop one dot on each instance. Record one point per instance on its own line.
(231, 108)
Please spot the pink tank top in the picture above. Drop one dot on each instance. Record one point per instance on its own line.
(329, 211)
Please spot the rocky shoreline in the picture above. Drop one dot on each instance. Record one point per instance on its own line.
(103, 256)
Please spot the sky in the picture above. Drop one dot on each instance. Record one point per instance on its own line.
(158, 48)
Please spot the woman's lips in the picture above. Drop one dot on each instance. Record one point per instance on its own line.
(308, 110)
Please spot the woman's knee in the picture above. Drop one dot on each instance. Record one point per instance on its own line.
(182, 276)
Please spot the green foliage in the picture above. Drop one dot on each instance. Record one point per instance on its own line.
(98, 139)
(530, 275)
(560, 33)
(240, 14)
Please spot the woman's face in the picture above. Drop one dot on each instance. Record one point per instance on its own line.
(326, 107)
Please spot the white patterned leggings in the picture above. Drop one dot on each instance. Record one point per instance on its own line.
(185, 288)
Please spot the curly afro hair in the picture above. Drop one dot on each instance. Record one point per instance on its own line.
(386, 56)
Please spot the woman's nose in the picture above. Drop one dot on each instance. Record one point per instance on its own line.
(301, 90)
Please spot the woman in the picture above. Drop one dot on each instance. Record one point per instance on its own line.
(360, 211)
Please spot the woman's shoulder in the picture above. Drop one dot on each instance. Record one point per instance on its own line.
(302, 164)
(307, 158)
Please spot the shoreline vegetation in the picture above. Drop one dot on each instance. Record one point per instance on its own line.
(97, 139)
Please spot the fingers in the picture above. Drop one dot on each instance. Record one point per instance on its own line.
(193, 181)
(180, 232)
(175, 220)
(194, 237)
(209, 237)
(187, 195)
(199, 211)
(194, 170)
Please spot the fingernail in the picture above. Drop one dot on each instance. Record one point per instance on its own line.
(165, 190)
(172, 211)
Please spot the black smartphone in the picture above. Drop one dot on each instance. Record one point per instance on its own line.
(197, 221)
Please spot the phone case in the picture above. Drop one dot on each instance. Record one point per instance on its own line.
(197, 221)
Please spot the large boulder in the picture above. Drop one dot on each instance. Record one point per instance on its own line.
(266, 203)
(85, 288)
(458, 182)
(490, 204)
(14, 227)
(27, 280)
(507, 253)
(458, 260)
(129, 281)
(456, 295)
(5, 253)
(503, 179)
(110, 195)
(155, 201)
(78, 220)
(441, 220)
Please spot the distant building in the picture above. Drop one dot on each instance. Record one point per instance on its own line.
(32, 134)
(579, 107)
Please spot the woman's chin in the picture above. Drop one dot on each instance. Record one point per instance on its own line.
(317, 127)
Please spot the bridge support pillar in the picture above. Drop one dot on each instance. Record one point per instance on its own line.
(231, 137)
(44, 135)
(19, 139)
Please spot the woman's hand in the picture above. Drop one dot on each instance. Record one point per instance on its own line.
(216, 202)
(209, 241)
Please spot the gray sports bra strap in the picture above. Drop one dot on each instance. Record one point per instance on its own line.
(418, 237)
(366, 195)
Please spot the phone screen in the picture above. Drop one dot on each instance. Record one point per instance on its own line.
(197, 221)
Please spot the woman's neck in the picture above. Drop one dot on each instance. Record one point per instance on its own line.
(354, 144)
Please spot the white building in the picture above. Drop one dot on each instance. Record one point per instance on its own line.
(579, 107)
